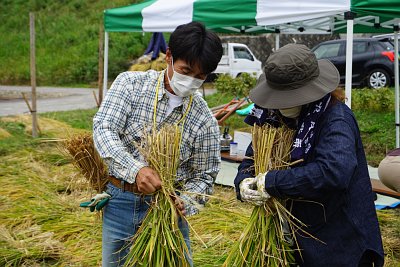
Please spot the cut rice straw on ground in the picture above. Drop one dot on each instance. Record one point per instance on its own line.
(268, 238)
(158, 241)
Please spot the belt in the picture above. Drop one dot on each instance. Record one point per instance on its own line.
(125, 186)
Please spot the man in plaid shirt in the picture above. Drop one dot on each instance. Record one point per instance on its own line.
(125, 115)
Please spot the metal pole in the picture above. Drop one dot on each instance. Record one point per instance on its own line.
(101, 65)
(33, 73)
(396, 83)
(105, 63)
(277, 35)
(349, 16)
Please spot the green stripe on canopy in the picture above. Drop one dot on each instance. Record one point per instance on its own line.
(235, 13)
(125, 19)
(386, 9)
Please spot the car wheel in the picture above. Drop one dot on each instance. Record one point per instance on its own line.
(378, 78)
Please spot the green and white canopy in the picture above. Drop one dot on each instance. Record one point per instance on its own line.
(263, 16)
(254, 16)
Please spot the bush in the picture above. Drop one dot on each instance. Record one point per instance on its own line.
(239, 87)
(377, 100)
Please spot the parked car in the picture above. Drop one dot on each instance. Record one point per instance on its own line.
(373, 60)
(237, 59)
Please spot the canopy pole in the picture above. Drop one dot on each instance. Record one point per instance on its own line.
(349, 16)
(277, 37)
(105, 76)
(396, 83)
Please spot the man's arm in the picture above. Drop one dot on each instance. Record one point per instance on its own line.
(108, 123)
(206, 163)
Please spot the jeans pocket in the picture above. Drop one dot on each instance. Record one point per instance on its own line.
(112, 190)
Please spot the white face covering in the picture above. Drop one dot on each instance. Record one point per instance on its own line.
(292, 113)
(183, 85)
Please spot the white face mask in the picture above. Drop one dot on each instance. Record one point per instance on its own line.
(183, 85)
(292, 113)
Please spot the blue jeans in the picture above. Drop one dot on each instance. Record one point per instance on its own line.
(122, 217)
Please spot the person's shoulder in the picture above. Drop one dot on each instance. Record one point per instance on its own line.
(340, 111)
(200, 103)
(201, 109)
(135, 76)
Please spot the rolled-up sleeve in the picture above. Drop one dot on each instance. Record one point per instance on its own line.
(108, 123)
(331, 169)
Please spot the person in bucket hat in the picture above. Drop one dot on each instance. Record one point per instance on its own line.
(329, 190)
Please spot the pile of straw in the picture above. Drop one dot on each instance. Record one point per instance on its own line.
(145, 63)
(85, 157)
(263, 241)
(159, 242)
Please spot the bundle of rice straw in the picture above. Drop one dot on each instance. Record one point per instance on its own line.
(263, 241)
(85, 157)
(158, 241)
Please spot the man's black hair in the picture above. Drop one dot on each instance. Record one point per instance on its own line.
(194, 44)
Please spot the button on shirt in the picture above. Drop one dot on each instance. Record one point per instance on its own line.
(126, 114)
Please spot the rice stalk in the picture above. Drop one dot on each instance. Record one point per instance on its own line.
(87, 160)
(20, 246)
(159, 241)
(263, 241)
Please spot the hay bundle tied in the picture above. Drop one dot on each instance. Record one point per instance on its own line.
(87, 160)
(158, 241)
(268, 239)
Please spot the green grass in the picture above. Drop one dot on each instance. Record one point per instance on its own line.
(378, 134)
(19, 140)
(67, 37)
(79, 119)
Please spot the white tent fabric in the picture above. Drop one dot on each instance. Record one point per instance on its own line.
(175, 12)
(272, 12)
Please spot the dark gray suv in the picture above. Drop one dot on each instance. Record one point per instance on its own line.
(372, 60)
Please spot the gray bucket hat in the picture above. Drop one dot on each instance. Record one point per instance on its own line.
(293, 77)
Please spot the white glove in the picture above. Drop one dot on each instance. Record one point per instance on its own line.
(249, 194)
(260, 180)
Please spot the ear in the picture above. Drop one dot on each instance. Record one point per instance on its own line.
(168, 56)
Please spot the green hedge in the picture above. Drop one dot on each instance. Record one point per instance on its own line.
(238, 87)
(377, 100)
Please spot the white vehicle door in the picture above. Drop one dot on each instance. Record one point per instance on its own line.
(243, 61)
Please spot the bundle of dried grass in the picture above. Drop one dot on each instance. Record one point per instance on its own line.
(264, 242)
(87, 160)
(159, 242)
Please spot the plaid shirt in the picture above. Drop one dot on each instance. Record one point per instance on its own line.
(125, 114)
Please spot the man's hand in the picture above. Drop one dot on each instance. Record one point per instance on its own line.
(179, 204)
(249, 192)
(148, 181)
